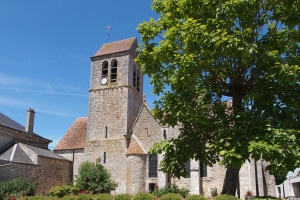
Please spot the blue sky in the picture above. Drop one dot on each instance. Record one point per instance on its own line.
(45, 50)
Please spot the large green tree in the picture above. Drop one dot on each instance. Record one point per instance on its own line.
(200, 53)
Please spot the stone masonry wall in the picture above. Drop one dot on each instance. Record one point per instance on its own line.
(136, 173)
(214, 179)
(76, 156)
(108, 108)
(50, 172)
(115, 160)
(147, 130)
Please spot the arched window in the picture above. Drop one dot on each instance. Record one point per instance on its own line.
(113, 70)
(152, 165)
(104, 68)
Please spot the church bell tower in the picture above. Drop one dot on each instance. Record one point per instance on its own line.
(115, 99)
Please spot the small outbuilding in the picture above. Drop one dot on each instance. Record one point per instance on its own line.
(25, 154)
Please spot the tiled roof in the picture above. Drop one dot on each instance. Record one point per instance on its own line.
(8, 122)
(75, 137)
(24, 153)
(134, 147)
(116, 47)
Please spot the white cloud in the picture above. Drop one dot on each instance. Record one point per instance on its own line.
(20, 84)
(12, 102)
(7, 80)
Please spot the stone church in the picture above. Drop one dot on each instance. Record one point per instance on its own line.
(120, 130)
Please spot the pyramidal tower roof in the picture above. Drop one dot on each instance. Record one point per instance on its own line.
(118, 46)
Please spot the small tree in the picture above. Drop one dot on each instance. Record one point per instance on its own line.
(94, 177)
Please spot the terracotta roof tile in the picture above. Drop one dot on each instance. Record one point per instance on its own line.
(75, 137)
(118, 46)
(134, 147)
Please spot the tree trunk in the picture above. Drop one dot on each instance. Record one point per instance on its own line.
(231, 181)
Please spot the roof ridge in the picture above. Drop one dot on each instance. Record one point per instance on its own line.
(116, 47)
(119, 40)
(29, 152)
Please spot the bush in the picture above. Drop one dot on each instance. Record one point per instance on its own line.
(43, 197)
(123, 197)
(226, 197)
(184, 192)
(94, 178)
(63, 190)
(214, 192)
(104, 197)
(40, 197)
(67, 197)
(145, 196)
(196, 197)
(171, 196)
(264, 198)
(16, 188)
(84, 197)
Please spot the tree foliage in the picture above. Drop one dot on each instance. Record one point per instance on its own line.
(95, 178)
(200, 53)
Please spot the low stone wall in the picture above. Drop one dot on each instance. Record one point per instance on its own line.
(50, 172)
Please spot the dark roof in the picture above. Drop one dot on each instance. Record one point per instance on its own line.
(42, 152)
(24, 153)
(75, 137)
(116, 47)
(8, 122)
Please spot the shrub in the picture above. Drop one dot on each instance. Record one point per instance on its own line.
(62, 190)
(84, 197)
(144, 196)
(171, 196)
(16, 188)
(264, 198)
(105, 197)
(214, 192)
(40, 197)
(67, 197)
(196, 197)
(94, 178)
(226, 197)
(184, 192)
(123, 197)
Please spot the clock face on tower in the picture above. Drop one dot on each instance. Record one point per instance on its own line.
(104, 80)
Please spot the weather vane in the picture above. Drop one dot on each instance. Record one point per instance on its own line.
(107, 33)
